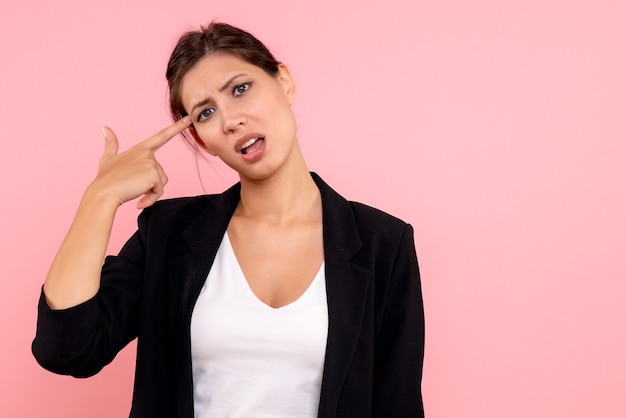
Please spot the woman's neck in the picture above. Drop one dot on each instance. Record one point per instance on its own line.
(289, 194)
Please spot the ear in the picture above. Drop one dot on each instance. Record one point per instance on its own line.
(199, 141)
(286, 81)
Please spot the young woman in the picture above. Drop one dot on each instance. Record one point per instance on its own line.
(276, 298)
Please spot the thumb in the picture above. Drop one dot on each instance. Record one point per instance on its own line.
(110, 143)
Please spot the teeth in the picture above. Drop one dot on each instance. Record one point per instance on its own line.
(247, 144)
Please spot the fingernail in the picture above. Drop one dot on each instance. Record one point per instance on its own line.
(187, 119)
(104, 132)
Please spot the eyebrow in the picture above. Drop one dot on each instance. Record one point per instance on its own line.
(221, 89)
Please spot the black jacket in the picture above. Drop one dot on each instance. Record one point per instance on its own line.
(375, 347)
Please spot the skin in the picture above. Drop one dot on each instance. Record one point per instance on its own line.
(276, 230)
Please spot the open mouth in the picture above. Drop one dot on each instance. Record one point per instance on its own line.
(251, 144)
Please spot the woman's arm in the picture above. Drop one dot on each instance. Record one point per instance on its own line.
(74, 276)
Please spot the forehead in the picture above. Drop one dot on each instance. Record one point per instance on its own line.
(210, 74)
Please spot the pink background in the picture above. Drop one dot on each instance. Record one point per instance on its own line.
(496, 128)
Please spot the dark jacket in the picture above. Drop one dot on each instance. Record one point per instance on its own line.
(375, 346)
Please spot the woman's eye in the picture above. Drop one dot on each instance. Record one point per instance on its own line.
(241, 89)
(205, 114)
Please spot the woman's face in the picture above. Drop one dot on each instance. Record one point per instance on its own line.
(241, 114)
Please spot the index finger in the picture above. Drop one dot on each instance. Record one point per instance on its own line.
(161, 138)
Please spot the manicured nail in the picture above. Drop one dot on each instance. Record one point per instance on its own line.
(104, 132)
(187, 119)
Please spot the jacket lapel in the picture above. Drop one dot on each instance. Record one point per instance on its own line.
(347, 285)
(187, 275)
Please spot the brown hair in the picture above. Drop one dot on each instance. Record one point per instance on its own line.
(195, 45)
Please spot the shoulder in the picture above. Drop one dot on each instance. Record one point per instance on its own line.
(368, 215)
(336, 204)
(352, 225)
(184, 210)
(365, 217)
(179, 204)
(180, 208)
(379, 228)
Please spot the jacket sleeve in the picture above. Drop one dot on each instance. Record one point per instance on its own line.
(81, 340)
(400, 344)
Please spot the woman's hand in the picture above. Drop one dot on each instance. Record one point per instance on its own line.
(74, 276)
(134, 172)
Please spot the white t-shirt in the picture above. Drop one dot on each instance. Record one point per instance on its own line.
(252, 360)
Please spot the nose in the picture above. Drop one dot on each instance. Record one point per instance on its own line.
(233, 119)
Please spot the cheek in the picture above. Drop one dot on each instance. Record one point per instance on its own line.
(287, 119)
(206, 139)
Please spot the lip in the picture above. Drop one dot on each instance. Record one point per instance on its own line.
(245, 138)
(256, 154)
